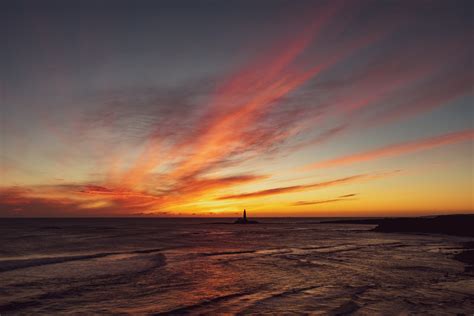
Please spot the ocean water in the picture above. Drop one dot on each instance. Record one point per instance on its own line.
(199, 266)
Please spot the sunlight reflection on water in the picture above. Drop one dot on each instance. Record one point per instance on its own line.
(191, 266)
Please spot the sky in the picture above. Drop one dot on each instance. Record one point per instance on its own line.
(204, 108)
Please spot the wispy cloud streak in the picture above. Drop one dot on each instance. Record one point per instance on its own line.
(396, 150)
(346, 197)
(161, 144)
(297, 188)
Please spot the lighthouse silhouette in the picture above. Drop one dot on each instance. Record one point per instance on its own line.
(244, 220)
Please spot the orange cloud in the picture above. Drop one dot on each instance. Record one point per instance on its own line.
(346, 197)
(397, 149)
(228, 127)
(82, 200)
(295, 188)
(256, 110)
(237, 123)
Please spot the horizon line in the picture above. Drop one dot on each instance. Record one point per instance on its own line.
(226, 217)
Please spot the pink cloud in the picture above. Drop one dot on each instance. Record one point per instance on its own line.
(396, 149)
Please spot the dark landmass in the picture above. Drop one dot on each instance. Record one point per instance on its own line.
(455, 225)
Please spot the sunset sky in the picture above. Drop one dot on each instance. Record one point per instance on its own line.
(204, 108)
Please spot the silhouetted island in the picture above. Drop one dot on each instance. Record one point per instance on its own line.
(244, 220)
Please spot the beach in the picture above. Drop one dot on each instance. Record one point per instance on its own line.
(206, 266)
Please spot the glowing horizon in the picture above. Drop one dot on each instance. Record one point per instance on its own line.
(331, 114)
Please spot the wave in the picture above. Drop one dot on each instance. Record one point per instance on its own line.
(9, 265)
(224, 253)
(204, 303)
(78, 288)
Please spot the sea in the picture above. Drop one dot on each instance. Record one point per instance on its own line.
(203, 266)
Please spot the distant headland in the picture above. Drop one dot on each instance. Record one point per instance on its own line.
(457, 225)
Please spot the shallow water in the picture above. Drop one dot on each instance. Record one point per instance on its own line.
(198, 266)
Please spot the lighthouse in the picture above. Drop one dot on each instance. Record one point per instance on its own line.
(244, 220)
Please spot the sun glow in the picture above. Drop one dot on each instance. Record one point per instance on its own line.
(327, 118)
